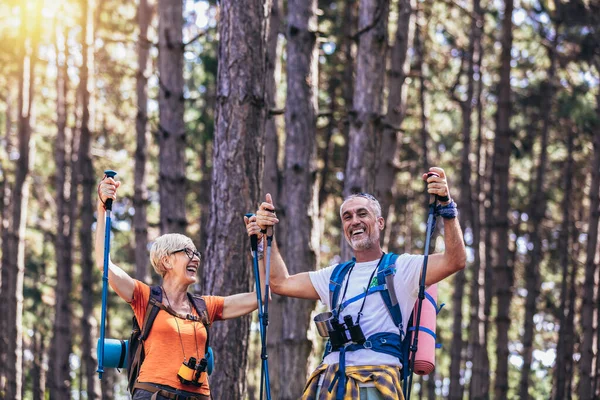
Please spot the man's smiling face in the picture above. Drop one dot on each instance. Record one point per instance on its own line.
(361, 225)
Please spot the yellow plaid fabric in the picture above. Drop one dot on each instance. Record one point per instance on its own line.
(386, 378)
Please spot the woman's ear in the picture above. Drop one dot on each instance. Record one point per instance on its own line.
(166, 262)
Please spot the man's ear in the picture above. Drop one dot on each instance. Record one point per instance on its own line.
(381, 223)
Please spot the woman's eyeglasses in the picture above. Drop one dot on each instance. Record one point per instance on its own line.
(189, 252)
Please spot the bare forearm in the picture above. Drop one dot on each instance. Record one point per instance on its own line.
(299, 285)
(453, 259)
(455, 252)
(278, 270)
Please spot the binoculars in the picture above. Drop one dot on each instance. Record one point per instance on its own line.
(192, 372)
(339, 333)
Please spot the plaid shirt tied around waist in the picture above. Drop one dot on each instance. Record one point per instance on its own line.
(386, 378)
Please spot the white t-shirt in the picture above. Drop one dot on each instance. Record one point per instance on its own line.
(376, 317)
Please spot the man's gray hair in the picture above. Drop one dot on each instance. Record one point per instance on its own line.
(373, 202)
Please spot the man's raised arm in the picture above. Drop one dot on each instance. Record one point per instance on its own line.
(281, 282)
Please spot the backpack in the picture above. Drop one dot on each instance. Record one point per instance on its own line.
(136, 353)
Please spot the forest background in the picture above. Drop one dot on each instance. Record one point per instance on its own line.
(203, 107)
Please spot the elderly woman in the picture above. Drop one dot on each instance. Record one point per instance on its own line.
(177, 333)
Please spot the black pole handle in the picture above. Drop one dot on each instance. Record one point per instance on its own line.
(253, 238)
(109, 173)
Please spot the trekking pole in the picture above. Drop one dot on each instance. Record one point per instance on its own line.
(264, 355)
(413, 348)
(108, 206)
(264, 373)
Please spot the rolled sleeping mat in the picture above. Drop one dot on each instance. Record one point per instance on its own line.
(210, 358)
(425, 357)
(115, 353)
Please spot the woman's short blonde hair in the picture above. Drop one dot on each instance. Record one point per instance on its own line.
(162, 248)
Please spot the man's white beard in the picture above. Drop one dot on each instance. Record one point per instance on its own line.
(362, 244)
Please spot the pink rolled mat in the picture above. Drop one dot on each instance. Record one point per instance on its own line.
(425, 357)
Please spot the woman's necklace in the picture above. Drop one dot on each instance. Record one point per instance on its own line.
(177, 324)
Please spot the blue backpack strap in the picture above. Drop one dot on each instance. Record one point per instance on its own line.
(385, 276)
(383, 342)
(336, 280)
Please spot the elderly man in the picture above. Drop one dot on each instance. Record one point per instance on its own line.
(369, 368)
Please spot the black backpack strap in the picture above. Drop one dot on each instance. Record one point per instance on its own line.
(136, 360)
(154, 306)
(200, 306)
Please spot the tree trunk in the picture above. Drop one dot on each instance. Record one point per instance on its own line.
(480, 295)
(87, 181)
(537, 211)
(587, 306)
(419, 48)
(300, 240)
(237, 174)
(13, 245)
(107, 384)
(503, 269)
(272, 181)
(140, 190)
(365, 118)
(348, 52)
(385, 190)
(466, 202)
(596, 385)
(340, 88)
(272, 175)
(66, 187)
(172, 182)
(564, 348)
(431, 387)
(38, 373)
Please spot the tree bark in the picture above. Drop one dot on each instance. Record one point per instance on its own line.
(13, 244)
(466, 202)
(237, 175)
(587, 306)
(38, 373)
(341, 102)
(365, 118)
(386, 189)
(272, 174)
(503, 268)
(564, 348)
(87, 181)
(419, 48)
(300, 242)
(272, 182)
(66, 203)
(537, 211)
(596, 384)
(140, 189)
(480, 294)
(172, 182)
